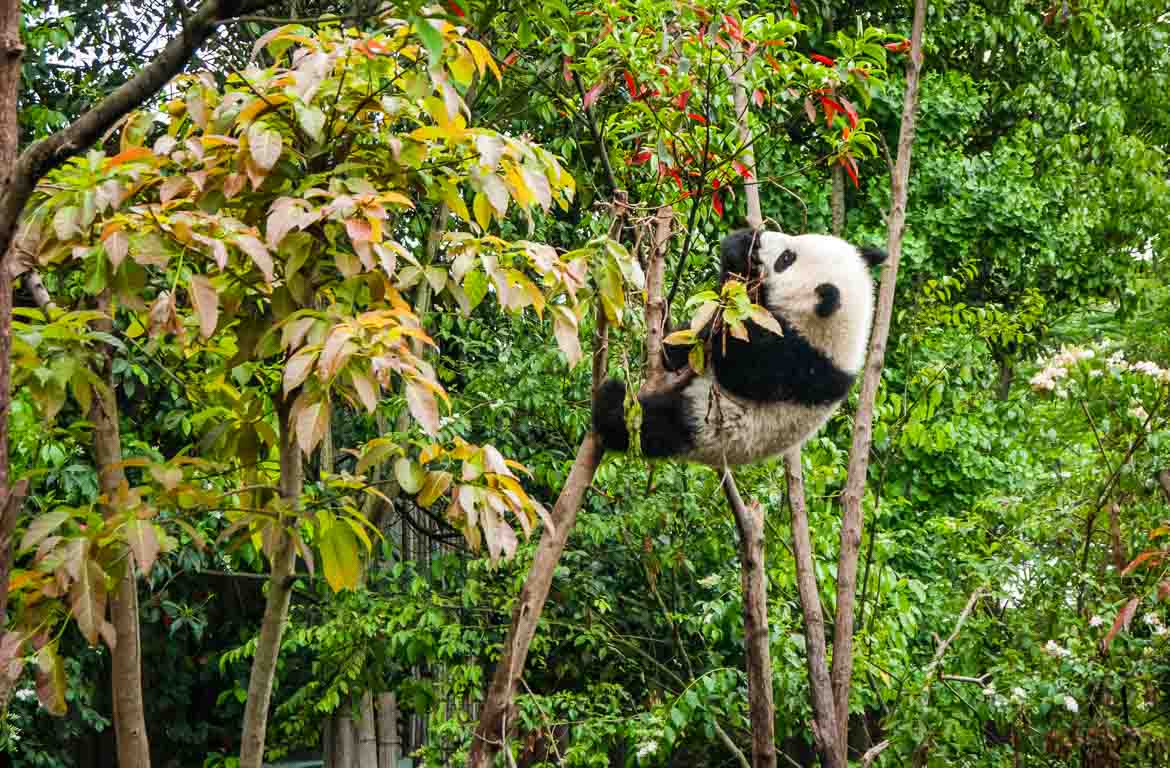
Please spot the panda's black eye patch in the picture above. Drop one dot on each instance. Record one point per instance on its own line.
(828, 299)
(786, 260)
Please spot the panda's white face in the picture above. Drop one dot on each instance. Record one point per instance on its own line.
(822, 285)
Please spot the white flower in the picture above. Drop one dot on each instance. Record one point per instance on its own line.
(1052, 649)
(26, 694)
(989, 691)
(1071, 704)
(709, 581)
(1147, 367)
(1018, 694)
(1096, 621)
(647, 749)
(1096, 373)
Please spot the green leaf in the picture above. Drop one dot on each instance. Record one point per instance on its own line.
(431, 39)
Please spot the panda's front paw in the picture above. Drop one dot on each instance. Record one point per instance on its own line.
(830, 299)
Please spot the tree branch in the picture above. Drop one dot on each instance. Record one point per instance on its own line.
(50, 152)
(851, 518)
(825, 733)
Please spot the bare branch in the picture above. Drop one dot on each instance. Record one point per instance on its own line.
(851, 517)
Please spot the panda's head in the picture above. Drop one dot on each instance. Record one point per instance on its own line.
(821, 285)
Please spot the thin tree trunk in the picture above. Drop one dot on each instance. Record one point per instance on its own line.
(1119, 558)
(367, 740)
(825, 729)
(496, 715)
(389, 743)
(750, 521)
(656, 309)
(837, 200)
(11, 499)
(851, 518)
(126, 657)
(276, 605)
(1164, 481)
(344, 738)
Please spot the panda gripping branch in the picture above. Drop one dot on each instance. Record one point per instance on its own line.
(773, 391)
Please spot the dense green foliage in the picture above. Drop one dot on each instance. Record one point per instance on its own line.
(1022, 433)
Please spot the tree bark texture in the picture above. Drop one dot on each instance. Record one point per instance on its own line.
(851, 518)
(656, 309)
(280, 582)
(754, 576)
(755, 215)
(825, 730)
(11, 498)
(126, 657)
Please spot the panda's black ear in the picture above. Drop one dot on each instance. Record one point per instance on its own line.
(873, 256)
(735, 253)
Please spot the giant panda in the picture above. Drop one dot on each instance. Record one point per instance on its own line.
(774, 391)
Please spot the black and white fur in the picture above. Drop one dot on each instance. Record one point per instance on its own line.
(774, 391)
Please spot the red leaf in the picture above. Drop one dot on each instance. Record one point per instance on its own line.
(682, 99)
(674, 174)
(1144, 556)
(631, 85)
(742, 169)
(733, 30)
(641, 157)
(775, 42)
(859, 72)
(1164, 590)
(850, 111)
(717, 204)
(455, 9)
(1124, 616)
(697, 117)
(758, 97)
(900, 47)
(831, 109)
(772, 62)
(568, 73)
(592, 94)
(850, 166)
(823, 60)
(794, 7)
(511, 59)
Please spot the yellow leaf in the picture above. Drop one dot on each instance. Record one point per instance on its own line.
(339, 557)
(258, 107)
(483, 210)
(483, 58)
(455, 201)
(463, 67)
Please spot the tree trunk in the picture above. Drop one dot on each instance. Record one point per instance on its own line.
(126, 657)
(11, 499)
(497, 710)
(276, 606)
(389, 742)
(851, 517)
(825, 730)
(750, 522)
(344, 738)
(367, 740)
